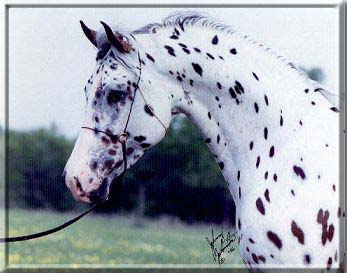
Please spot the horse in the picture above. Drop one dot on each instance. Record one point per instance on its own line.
(273, 131)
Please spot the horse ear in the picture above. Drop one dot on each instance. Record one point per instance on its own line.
(91, 34)
(119, 41)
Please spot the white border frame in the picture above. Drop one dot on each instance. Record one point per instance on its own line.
(200, 3)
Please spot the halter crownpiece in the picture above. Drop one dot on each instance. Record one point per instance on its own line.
(122, 138)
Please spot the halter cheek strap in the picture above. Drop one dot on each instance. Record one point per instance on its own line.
(122, 138)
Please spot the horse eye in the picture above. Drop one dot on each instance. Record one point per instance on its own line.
(115, 96)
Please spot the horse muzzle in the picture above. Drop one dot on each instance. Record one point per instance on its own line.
(87, 190)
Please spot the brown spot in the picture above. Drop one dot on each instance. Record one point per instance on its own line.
(149, 57)
(329, 263)
(255, 258)
(129, 151)
(260, 206)
(221, 165)
(307, 259)
(298, 233)
(118, 164)
(112, 152)
(145, 145)
(273, 237)
(105, 140)
(149, 110)
(334, 109)
(265, 133)
(251, 144)
(233, 51)
(299, 171)
(327, 232)
(258, 162)
(256, 107)
(109, 164)
(139, 138)
(94, 165)
(330, 234)
(267, 196)
(262, 259)
(320, 216)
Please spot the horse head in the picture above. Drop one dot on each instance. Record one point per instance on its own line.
(118, 103)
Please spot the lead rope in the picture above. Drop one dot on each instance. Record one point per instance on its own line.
(122, 139)
(46, 232)
(117, 180)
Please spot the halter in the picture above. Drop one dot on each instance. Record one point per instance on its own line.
(122, 138)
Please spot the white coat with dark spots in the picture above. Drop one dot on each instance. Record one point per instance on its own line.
(273, 131)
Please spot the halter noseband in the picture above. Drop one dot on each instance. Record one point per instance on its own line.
(122, 138)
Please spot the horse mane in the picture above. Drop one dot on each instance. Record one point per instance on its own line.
(183, 19)
(186, 18)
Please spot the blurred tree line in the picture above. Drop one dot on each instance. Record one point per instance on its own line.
(178, 177)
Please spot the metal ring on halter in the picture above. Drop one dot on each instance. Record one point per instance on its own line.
(123, 137)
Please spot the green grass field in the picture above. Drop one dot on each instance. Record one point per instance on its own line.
(109, 240)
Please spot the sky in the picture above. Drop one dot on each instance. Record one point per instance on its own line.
(50, 59)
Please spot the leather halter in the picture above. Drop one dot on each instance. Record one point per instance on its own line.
(122, 138)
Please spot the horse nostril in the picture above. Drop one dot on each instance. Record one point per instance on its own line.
(99, 194)
(79, 189)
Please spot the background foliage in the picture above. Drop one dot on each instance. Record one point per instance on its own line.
(178, 177)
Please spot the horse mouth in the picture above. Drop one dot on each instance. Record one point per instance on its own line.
(100, 194)
(84, 199)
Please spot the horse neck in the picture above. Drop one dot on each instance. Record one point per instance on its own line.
(240, 99)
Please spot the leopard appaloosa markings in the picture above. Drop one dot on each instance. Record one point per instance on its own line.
(273, 132)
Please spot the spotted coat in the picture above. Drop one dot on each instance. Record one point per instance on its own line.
(274, 134)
